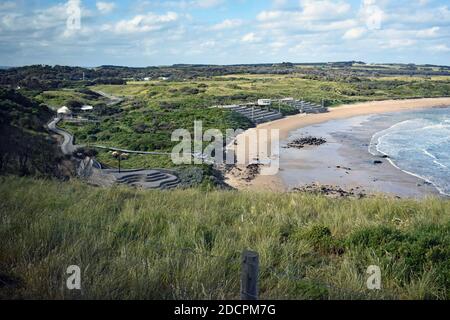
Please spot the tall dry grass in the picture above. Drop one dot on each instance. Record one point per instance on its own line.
(186, 244)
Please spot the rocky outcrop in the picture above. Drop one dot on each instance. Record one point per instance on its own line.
(306, 141)
(332, 191)
(245, 173)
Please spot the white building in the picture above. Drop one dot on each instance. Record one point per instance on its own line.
(264, 102)
(64, 112)
(87, 108)
(147, 79)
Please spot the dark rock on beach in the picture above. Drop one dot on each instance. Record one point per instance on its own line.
(344, 168)
(306, 141)
(247, 173)
(331, 191)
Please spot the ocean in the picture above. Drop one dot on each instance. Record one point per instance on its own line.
(419, 146)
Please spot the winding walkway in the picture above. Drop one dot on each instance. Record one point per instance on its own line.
(67, 146)
(113, 100)
(93, 171)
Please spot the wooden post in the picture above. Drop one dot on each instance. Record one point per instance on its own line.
(249, 275)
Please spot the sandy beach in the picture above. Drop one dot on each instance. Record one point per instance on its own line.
(393, 179)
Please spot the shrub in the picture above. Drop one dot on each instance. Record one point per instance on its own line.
(321, 239)
(307, 289)
(411, 253)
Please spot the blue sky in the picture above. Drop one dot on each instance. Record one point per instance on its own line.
(164, 32)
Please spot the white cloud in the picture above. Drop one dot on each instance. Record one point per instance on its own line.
(207, 3)
(354, 33)
(293, 22)
(227, 24)
(42, 19)
(277, 45)
(428, 33)
(279, 3)
(310, 16)
(324, 9)
(250, 38)
(270, 15)
(397, 43)
(142, 23)
(143, 5)
(333, 26)
(432, 15)
(105, 7)
(440, 48)
(8, 5)
(311, 10)
(173, 31)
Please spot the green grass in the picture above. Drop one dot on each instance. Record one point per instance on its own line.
(136, 160)
(58, 98)
(186, 244)
(235, 88)
(154, 109)
(150, 128)
(159, 107)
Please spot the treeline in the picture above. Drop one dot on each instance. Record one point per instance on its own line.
(43, 77)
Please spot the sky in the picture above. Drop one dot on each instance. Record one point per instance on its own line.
(163, 32)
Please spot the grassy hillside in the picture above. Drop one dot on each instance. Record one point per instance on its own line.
(238, 88)
(155, 108)
(58, 98)
(187, 243)
(25, 145)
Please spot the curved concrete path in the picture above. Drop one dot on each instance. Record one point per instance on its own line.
(93, 171)
(113, 100)
(67, 146)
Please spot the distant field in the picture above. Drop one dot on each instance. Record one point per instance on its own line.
(235, 88)
(186, 244)
(414, 78)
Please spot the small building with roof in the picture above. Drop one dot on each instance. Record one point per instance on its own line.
(64, 112)
(87, 108)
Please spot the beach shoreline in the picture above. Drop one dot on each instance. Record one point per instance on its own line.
(286, 126)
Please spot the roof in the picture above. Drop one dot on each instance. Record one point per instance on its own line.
(64, 109)
(87, 108)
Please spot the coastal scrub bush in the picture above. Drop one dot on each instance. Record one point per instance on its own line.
(411, 253)
(321, 239)
(310, 290)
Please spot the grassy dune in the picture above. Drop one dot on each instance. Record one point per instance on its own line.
(235, 88)
(187, 243)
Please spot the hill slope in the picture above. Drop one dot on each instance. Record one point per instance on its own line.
(187, 243)
(25, 145)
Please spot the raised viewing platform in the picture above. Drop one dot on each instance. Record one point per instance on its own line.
(263, 111)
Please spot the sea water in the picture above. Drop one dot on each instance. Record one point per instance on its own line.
(419, 146)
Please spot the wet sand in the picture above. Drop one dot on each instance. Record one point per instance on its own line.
(344, 160)
(319, 164)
